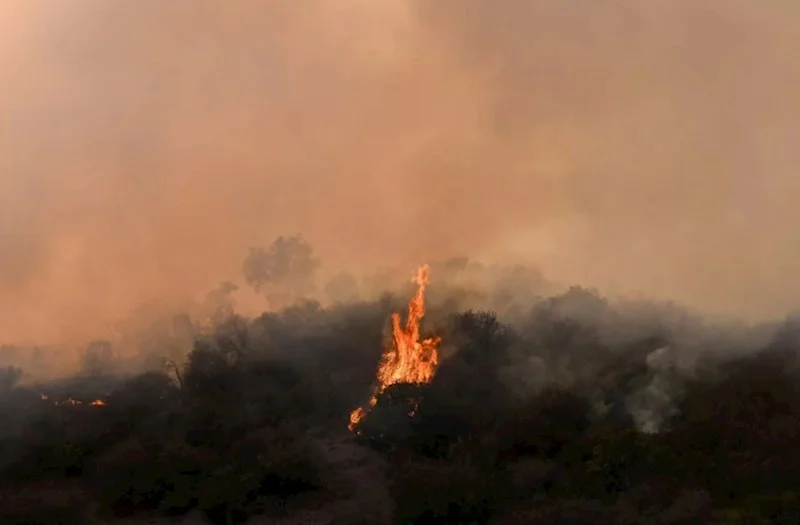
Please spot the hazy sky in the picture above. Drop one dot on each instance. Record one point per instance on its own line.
(639, 146)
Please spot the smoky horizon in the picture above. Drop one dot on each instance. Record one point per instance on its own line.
(645, 149)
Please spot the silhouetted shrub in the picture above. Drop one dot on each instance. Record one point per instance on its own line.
(254, 475)
(256, 424)
(455, 491)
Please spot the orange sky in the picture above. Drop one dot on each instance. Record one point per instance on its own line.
(637, 146)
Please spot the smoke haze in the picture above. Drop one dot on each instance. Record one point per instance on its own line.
(641, 147)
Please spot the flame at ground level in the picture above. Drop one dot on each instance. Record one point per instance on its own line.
(73, 402)
(408, 360)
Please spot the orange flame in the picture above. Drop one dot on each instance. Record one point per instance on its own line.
(409, 360)
(73, 402)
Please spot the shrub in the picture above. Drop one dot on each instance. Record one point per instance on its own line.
(436, 491)
(132, 478)
(256, 474)
(543, 425)
(262, 472)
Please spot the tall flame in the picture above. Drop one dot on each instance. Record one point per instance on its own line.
(408, 360)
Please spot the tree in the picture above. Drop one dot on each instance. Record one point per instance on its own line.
(483, 340)
(284, 272)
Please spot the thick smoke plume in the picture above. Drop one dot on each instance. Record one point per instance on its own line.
(641, 147)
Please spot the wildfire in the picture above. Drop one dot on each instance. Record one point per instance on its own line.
(73, 402)
(408, 360)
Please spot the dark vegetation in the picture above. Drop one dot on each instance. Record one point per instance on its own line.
(568, 411)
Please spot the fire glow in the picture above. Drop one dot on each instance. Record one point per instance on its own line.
(73, 402)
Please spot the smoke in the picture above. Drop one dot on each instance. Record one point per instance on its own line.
(654, 401)
(641, 147)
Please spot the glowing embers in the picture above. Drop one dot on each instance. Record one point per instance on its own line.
(73, 402)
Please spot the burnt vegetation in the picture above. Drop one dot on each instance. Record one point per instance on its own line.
(566, 409)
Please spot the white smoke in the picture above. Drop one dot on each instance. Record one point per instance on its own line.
(654, 402)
